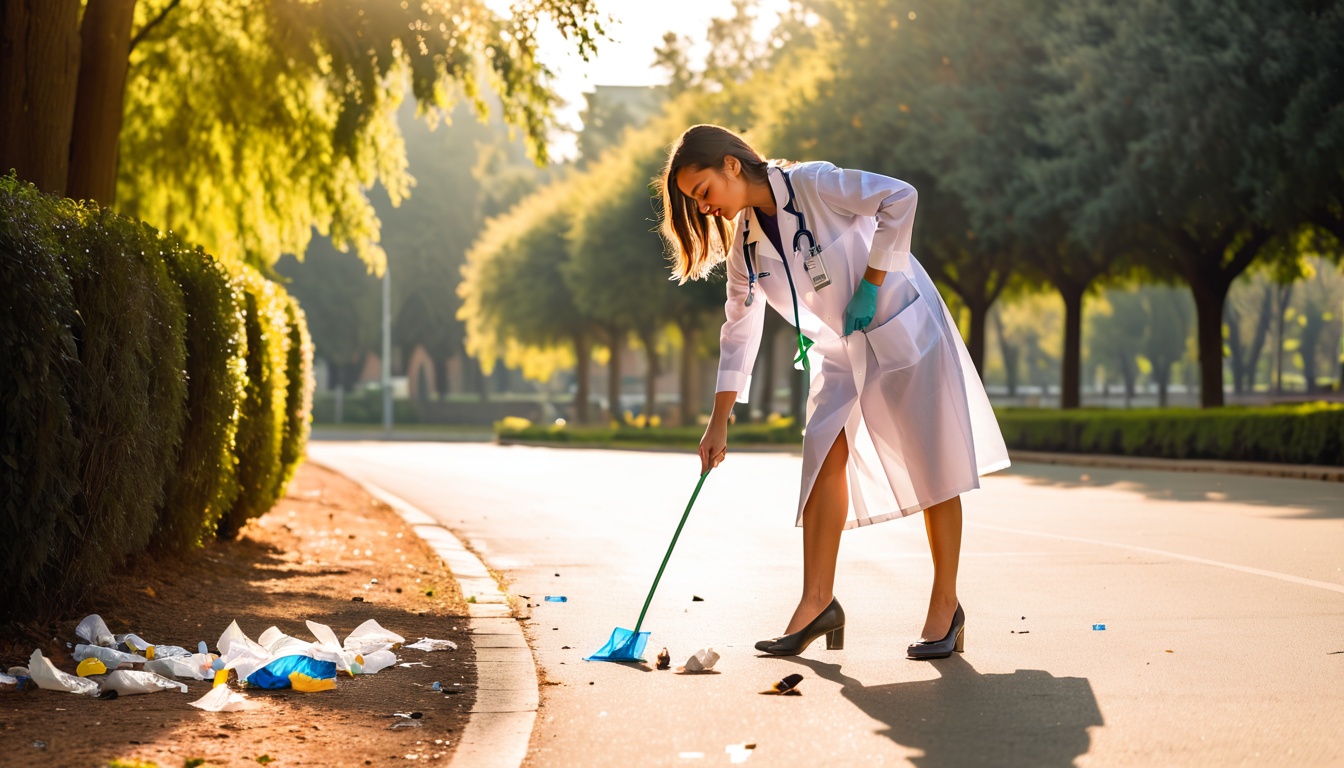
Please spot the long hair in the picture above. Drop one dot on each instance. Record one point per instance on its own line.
(695, 243)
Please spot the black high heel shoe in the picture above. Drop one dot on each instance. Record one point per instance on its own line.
(830, 622)
(955, 640)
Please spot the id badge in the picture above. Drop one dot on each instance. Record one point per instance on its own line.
(816, 269)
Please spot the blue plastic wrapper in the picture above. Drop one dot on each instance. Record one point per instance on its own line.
(1099, 627)
(557, 599)
(623, 645)
(276, 674)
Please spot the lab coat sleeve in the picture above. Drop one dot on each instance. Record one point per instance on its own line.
(890, 201)
(740, 338)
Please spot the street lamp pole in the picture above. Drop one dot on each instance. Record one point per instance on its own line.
(387, 351)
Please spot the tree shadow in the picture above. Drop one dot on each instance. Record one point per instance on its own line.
(1307, 499)
(965, 718)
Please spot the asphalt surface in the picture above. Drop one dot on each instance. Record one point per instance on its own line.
(1222, 599)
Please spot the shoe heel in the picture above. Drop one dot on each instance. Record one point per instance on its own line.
(960, 647)
(835, 640)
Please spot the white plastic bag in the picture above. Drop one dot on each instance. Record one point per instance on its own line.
(111, 657)
(369, 637)
(221, 699)
(702, 660)
(196, 666)
(94, 631)
(47, 676)
(377, 661)
(234, 636)
(128, 682)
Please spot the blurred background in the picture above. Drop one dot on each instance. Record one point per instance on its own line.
(1125, 205)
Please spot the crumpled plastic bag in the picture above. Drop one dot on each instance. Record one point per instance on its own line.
(111, 657)
(94, 631)
(328, 644)
(430, 644)
(46, 675)
(195, 666)
(378, 661)
(234, 636)
(277, 673)
(369, 637)
(128, 682)
(221, 699)
(702, 660)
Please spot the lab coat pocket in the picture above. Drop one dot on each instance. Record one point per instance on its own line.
(904, 339)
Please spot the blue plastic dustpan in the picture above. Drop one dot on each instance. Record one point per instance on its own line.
(625, 645)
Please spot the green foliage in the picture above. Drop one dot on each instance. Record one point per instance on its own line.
(298, 394)
(39, 455)
(247, 124)
(261, 424)
(129, 398)
(204, 484)
(1300, 434)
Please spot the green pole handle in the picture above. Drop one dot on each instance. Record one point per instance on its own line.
(668, 556)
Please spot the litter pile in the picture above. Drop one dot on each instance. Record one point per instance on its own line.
(122, 665)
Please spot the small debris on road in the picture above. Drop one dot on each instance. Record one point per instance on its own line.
(701, 661)
(664, 659)
(557, 599)
(697, 599)
(1099, 627)
(738, 753)
(786, 687)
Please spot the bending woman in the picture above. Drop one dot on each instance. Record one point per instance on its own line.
(897, 420)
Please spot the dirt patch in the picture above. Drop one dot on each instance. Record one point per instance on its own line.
(321, 546)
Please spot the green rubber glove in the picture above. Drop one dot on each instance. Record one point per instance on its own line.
(861, 307)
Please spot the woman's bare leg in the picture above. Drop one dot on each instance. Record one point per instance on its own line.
(823, 521)
(942, 522)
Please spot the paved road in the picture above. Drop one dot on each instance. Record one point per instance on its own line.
(1223, 600)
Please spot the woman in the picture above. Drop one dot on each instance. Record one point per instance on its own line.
(898, 421)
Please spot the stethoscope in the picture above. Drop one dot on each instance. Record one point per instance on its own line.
(748, 249)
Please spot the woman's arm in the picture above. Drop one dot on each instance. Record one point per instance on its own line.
(890, 201)
(714, 445)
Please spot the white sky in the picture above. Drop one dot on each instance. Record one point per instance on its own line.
(637, 28)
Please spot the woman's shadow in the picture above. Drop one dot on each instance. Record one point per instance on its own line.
(964, 718)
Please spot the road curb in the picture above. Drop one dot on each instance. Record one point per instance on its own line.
(499, 726)
(1256, 468)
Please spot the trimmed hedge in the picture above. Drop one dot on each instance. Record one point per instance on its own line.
(205, 484)
(262, 419)
(39, 452)
(1297, 434)
(298, 395)
(127, 363)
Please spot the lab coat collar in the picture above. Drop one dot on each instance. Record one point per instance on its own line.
(788, 223)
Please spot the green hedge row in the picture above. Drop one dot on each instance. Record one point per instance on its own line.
(152, 397)
(1297, 434)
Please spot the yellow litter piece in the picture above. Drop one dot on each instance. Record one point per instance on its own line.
(90, 666)
(301, 682)
(221, 678)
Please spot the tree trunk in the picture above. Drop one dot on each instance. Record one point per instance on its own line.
(1285, 294)
(649, 338)
(1258, 341)
(975, 344)
(105, 48)
(1209, 299)
(1128, 374)
(583, 354)
(1010, 354)
(1236, 356)
(1070, 390)
(1162, 374)
(1311, 337)
(689, 379)
(614, 377)
(39, 71)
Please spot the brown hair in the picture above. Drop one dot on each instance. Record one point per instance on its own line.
(696, 244)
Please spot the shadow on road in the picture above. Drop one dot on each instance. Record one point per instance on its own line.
(1308, 499)
(964, 718)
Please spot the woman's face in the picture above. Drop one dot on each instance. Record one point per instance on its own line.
(716, 191)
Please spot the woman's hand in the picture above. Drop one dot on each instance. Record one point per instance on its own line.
(714, 445)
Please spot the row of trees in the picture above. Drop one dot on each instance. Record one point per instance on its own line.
(1059, 144)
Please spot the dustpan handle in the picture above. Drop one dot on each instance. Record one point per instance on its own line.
(668, 556)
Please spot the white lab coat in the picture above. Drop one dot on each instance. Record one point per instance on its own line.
(915, 415)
